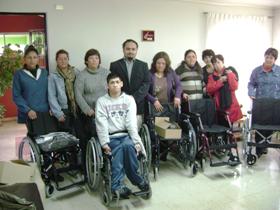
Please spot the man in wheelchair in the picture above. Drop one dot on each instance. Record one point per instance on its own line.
(117, 131)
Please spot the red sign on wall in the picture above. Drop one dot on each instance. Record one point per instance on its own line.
(148, 35)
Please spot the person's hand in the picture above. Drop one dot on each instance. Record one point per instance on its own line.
(210, 68)
(158, 106)
(50, 112)
(107, 149)
(90, 113)
(138, 148)
(177, 102)
(185, 96)
(223, 78)
(61, 119)
(32, 115)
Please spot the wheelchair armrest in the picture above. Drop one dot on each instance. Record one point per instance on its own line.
(184, 116)
(194, 114)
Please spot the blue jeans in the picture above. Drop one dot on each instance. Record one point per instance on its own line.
(124, 161)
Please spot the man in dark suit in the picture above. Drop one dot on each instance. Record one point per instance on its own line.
(134, 74)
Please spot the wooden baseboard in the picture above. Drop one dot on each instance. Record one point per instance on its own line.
(9, 119)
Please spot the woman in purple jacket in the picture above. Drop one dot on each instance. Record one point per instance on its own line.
(165, 85)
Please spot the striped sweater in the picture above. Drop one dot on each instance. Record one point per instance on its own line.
(191, 80)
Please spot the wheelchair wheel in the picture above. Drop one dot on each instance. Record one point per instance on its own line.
(192, 144)
(93, 164)
(251, 159)
(106, 199)
(194, 169)
(107, 196)
(155, 173)
(29, 151)
(146, 139)
(245, 136)
(49, 189)
(148, 195)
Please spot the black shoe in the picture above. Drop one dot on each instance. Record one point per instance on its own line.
(265, 151)
(144, 187)
(124, 193)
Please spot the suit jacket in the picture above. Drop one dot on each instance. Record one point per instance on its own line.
(139, 83)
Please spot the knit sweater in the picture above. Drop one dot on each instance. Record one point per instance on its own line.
(115, 115)
(89, 86)
(191, 80)
(30, 93)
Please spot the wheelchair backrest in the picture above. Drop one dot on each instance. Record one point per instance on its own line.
(266, 111)
(206, 109)
(168, 111)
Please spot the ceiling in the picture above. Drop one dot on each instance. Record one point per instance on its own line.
(252, 3)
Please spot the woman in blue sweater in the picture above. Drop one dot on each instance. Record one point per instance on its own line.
(30, 94)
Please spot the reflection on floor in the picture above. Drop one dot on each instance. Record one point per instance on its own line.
(219, 188)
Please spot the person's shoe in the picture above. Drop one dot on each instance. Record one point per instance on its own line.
(144, 187)
(124, 192)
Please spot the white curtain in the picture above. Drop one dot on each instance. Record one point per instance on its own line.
(242, 40)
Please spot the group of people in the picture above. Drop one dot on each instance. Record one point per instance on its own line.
(108, 103)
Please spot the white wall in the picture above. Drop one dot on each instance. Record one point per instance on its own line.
(276, 29)
(105, 24)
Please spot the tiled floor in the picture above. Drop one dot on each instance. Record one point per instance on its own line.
(220, 188)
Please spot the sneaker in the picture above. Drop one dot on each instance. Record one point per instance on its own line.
(124, 192)
(144, 187)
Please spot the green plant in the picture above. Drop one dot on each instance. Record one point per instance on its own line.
(2, 111)
(10, 61)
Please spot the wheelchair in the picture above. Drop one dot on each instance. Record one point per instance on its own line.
(263, 120)
(54, 153)
(214, 133)
(98, 166)
(184, 148)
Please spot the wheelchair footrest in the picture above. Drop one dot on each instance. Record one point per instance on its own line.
(263, 145)
(140, 193)
(234, 163)
(223, 146)
(219, 164)
(70, 185)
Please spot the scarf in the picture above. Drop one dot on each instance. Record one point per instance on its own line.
(32, 71)
(225, 93)
(69, 78)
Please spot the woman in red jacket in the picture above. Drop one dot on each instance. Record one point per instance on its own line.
(222, 85)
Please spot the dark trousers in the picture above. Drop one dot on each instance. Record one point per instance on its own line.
(86, 129)
(43, 124)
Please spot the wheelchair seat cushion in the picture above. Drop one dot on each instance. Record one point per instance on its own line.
(55, 141)
(215, 128)
(265, 127)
